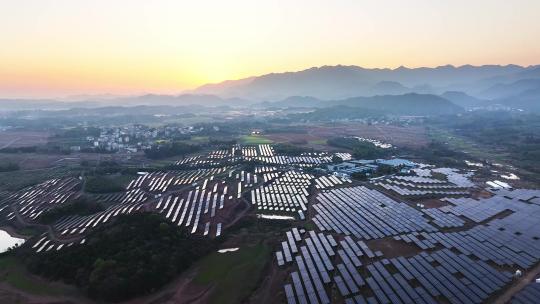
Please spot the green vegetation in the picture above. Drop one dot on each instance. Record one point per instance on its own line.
(380, 171)
(104, 184)
(131, 257)
(378, 106)
(80, 206)
(255, 140)
(200, 139)
(494, 136)
(31, 149)
(290, 149)
(337, 113)
(171, 149)
(441, 154)
(111, 169)
(9, 167)
(78, 132)
(29, 231)
(258, 228)
(13, 272)
(361, 150)
(361, 176)
(16, 180)
(459, 143)
(234, 274)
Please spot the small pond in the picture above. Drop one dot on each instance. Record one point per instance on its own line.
(7, 241)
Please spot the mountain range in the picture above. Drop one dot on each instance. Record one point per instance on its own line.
(339, 82)
(464, 86)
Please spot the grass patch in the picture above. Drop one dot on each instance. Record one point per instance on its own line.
(234, 274)
(200, 139)
(255, 140)
(14, 273)
(28, 231)
(101, 184)
(459, 143)
(318, 142)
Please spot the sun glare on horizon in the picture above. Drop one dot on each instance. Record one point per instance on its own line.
(60, 48)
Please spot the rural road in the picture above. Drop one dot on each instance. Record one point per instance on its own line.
(10, 143)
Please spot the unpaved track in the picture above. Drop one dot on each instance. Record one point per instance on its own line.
(524, 281)
(10, 143)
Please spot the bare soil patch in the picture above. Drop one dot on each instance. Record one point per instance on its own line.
(433, 203)
(413, 137)
(481, 194)
(316, 135)
(392, 248)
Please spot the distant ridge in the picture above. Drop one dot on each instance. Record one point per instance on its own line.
(148, 99)
(411, 104)
(340, 82)
(466, 86)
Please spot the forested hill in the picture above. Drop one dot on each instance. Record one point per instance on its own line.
(407, 104)
(402, 105)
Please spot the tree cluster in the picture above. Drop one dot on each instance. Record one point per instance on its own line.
(361, 150)
(171, 149)
(134, 256)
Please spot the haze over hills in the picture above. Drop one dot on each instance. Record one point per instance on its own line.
(126, 101)
(405, 104)
(466, 86)
(338, 82)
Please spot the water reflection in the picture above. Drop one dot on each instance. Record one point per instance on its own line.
(7, 241)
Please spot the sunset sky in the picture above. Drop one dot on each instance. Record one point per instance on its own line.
(70, 47)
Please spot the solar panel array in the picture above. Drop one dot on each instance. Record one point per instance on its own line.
(508, 237)
(477, 210)
(288, 192)
(455, 177)
(464, 249)
(344, 156)
(485, 243)
(197, 208)
(329, 181)
(304, 160)
(263, 153)
(526, 195)
(366, 213)
(5, 203)
(424, 184)
(76, 225)
(528, 295)
(70, 229)
(442, 219)
(265, 169)
(163, 181)
(45, 244)
(32, 201)
(321, 263)
(245, 180)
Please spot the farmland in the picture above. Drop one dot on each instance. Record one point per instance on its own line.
(316, 135)
(234, 275)
(255, 140)
(17, 139)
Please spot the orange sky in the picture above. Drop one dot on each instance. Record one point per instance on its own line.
(69, 47)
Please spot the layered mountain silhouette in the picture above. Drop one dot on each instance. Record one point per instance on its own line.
(465, 86)
(338, 82)
(406, 104)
